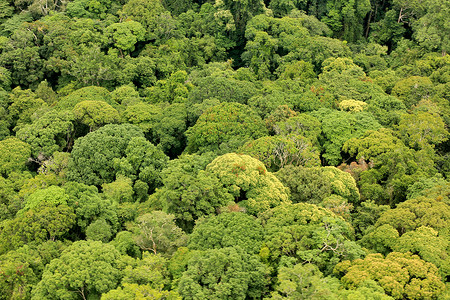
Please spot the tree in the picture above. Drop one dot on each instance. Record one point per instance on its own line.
(188, 191)
(422, 129)
(414, 213)
(125, 35)
(224, 127)
(134, 291)
(157, 232)
(429, 245)
(95, 114)
(151, 270)
(413, 89)
(170, 130)
(227, 230)
(432, 29)
(304, 281)
(303, 124)
(242, 11)
(174, 89)
(248, 182)
(342, 16)
(144, 12)
(19, 273)
(315, 184)
(221, 86)
(107, 143)
(401, 275)
(308, 234)
(141, 161)
(305, 184)
(23, 104)
(89, 93)
(99, 230)
(223, 274)
(393, 167)
(89, 207)
(85, 269)
(338, 127)
(50, 133)
(35, 226)
(14, 155)
(279, 151)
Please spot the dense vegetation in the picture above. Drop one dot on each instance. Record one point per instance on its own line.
(228, 149)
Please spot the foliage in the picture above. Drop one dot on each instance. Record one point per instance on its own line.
(108, 142)
(248, 182)
(399, 274)
(227, 230)
(86, 269)
(310, 234)
(157, 232)
(276, 151)
(222, 274)
(14, 155)
(224, 127)
(155, 125)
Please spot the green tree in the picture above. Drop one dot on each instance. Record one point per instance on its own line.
(223, 274)
(125, 35)
(157, 232)
(134, 291)
(145, 12)
(35, 226)
(89, 207)
(227, 230)
(429, 245)
(432, 30)
(108, 142)
(14, 155)
(413, 89)
(338, 127)
(414, 213)
(151, 270)
(303, 124)
(248, 182)
(95, 114)
(20, 272)
(393, 167)
(422, 129)
(305, 184)
(23, 104)
(343, 16)
(308, 234)
(85, 269)
(50, 133)
(224, 127)
(141, 161)
(304, 282)
(89, 93)
(401, 275)
(99, 230)
(188, 191)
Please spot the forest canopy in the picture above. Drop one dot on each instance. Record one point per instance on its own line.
(224, 149)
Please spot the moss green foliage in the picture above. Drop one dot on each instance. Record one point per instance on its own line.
(413, 279)
(248, 182)
(227, 230)
(14, 155)
(309, 234)
(224, 127)
(94, 169)
(214, 273)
